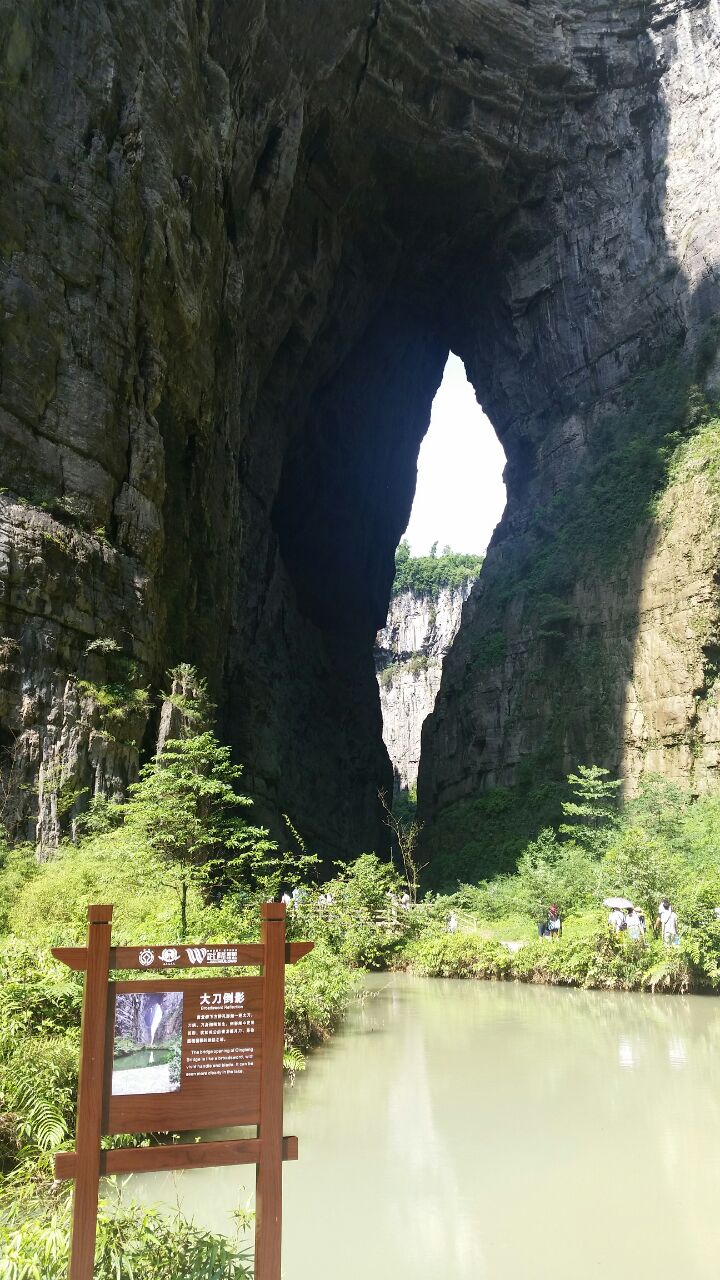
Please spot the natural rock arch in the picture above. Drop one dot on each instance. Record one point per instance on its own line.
(238, 244)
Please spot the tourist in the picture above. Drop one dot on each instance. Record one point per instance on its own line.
(667, 923)
(635, 924)
(544, 926)
(286, 900)
(617, 920)
(554, 923)
(405, 901)
(452, 923)
(296, 899)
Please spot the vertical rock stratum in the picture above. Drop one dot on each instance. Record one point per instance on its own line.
(409, 653)
(237, 243)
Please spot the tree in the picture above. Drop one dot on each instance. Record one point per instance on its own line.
(406, 835)
(187, 706)
(593, 808)
(185, 808)
(550, 872)
(402, 555)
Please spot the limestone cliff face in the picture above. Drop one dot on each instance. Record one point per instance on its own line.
(409, 653)
(237, 242)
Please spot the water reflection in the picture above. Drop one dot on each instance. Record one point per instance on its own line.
(470, 1130)
(677, 1051)
(626, 1056)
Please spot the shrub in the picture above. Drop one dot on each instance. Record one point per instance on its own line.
(427, 575)
(456, 955)
(18, 864)
(112, 867)
(38, 995)
(317, 992)
(131, 1243)
(359, 925)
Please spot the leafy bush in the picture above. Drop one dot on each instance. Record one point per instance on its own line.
(360, 926)
(427, 575)
(485, 835)
(112, 867)
(456, 955)
(131, 1243)
(548, 871)
(18, 864)
(38, 995)
(117, 702)
(38, 1086)
(317, 991)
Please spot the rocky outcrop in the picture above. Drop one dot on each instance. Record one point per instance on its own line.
(409, 653)
(237, 242)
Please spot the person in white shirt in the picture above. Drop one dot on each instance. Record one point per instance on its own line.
(663, 910)
(668, 923)
(635, 925)
(616, 920)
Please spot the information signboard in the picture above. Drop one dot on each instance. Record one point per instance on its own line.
(161, 1054)
(183, 1055)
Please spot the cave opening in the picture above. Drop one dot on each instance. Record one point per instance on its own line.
(459, 499)
(460, 493)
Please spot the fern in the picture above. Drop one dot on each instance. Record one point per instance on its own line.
(293, 1060)
(40, 1120)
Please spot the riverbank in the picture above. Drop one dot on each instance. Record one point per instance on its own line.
(588, 956)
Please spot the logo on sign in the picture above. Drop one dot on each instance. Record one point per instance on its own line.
(196, 955)
(169, 955)
(146, 957)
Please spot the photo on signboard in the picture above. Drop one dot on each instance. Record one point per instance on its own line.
(148, 1042)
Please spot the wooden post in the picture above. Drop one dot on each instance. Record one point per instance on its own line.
(90, 1094)
(268, 1181)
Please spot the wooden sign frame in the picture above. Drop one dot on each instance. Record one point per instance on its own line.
(252, 1089)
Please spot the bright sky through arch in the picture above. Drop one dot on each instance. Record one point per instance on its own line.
(460, 494)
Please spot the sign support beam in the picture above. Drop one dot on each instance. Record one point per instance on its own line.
(268, 1178)
(90, 1094)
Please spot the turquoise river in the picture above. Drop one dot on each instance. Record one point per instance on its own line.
(468, 1130)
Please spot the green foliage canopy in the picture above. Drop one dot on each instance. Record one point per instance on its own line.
(185, 808)
(593, 806)
(427, 575)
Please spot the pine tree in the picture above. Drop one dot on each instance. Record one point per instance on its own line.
(185, 808)
(593, 808)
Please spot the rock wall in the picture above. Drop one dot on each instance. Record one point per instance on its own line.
(237, 242)
(409, 653)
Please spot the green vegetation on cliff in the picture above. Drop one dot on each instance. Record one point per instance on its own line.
(427, 575)
(563, 653)
(632, 455)
(483, 836)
